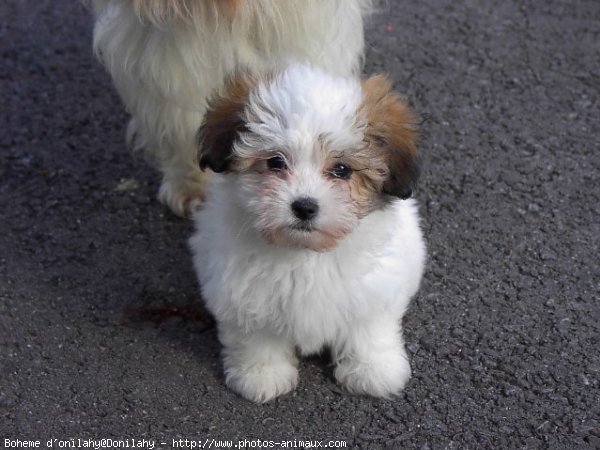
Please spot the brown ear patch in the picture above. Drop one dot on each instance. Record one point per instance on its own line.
(222, 124)
(391, 132)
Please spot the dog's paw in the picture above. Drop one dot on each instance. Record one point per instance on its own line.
(381, 375)
(183, 195)
(263, 382)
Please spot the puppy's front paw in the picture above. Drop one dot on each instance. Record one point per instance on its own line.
(262, 382)
(380, 375)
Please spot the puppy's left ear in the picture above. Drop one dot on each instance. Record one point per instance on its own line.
(392, 132)
(223, 124)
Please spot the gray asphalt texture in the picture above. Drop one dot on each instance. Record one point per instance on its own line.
(102, 332)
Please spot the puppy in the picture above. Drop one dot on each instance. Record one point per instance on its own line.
(308, 238)
(167, 57)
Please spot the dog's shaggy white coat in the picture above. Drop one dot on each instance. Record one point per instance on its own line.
(167, 57)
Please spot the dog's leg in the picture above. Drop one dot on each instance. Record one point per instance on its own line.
(168, 135)
(259, 365)
(372, 360)
(182, 187)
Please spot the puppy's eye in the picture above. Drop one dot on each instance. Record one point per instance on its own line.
(276, 163)
(342, 171)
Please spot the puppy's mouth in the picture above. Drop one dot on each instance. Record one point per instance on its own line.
(306, 227)
(302, 235)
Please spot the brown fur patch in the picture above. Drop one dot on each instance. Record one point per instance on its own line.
(369, 170)
(391, 135)
(364, 188)
(223, 123)
(230, 6)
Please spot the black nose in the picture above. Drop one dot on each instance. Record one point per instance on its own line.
(305, 208)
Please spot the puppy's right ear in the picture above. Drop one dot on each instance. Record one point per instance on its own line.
(222, 125)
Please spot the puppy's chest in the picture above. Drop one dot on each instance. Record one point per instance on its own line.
(304, 295)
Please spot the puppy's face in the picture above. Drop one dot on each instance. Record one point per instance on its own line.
(311, 154)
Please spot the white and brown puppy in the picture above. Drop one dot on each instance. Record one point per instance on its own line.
(307, 238)
(167, 57)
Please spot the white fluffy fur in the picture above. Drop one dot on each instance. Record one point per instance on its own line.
(166, 68)
(271, 299)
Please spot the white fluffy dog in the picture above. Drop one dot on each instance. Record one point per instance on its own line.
(167, 57)
(307, 238)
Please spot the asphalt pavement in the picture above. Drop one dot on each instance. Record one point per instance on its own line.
(102, 332)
